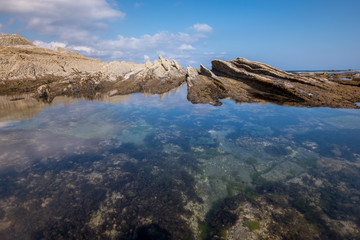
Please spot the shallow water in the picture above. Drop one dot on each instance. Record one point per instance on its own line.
(151, 167)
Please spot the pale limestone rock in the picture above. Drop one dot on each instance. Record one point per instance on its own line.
(43, 92)
(192, 76)
(67, 52)
(7, 40)
(177, 65)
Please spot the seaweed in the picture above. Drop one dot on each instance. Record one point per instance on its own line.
(252, 225)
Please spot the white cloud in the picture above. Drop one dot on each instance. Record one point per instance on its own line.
(73, 24)
(84, 49)
(134, 49)
(186, 47)
(65, 19)
(170, 45)
(50, 45)
(203, 28)
(161, 40)
(64, 9)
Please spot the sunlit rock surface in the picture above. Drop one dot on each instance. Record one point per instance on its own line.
(246, 81)
(25, 68)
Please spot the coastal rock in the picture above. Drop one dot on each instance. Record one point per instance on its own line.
(202, 89)
(25, 67)
(356, 77)
(20, 59)
(156, 78)
(7, 40)
(43, 92)
(246, 81)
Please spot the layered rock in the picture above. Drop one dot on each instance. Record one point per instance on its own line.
(27, 68)
(203, 88)
(20, 59)
(157, 77)
(246, 81)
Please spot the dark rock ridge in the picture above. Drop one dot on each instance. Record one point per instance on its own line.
(25, 68)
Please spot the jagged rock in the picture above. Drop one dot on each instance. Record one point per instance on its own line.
(22, 61)
(43, 92)
(250, 70)
(25, 68)
(246, 81)
(159, 77)
(202, 89)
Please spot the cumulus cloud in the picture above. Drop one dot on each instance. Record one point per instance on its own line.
(62, 18)
(159, 40)
(202, 28)
(186, 47)
(86, 50)
(170, 45)
(50, 45)
(74, 25)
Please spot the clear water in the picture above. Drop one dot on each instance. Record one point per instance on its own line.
(162, 168)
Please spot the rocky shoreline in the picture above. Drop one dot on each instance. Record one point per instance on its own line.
(25, 68)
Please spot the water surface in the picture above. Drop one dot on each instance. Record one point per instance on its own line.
(151, 167)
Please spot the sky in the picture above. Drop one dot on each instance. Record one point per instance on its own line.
(290, 35)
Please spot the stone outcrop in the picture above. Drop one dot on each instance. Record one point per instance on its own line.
(157, 77)
(246, 81)
(26, 68)
(47, 73)
(20, 59)
(202, 88)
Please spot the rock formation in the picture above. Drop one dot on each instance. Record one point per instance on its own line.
(25, 68)
(246, 81)
(47, 73)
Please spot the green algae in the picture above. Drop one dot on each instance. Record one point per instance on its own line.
(252, 225)
(204, 230)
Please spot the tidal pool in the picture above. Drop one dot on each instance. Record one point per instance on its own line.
(159, 167)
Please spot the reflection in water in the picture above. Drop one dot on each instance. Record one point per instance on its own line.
(151, 167)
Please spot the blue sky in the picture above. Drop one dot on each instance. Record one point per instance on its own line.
(290, 35)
